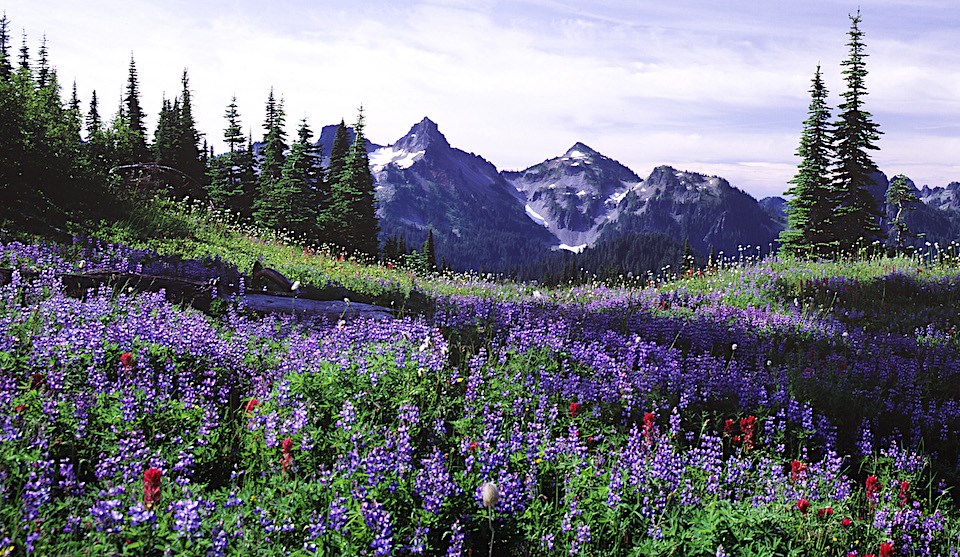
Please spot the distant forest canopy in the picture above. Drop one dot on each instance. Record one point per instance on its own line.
(60, 160)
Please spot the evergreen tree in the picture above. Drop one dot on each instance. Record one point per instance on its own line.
(902, 196)
(855, 209)
(271, 199)
(233, 134)
(6, 68)
(430, 252)
(809, 208)
(349, 218)
(298, 184)
(43, 65)
(94, 123)
(166, 138)
(135, 116)
(74, 98)
(232, 180)
(188, 156)
(338, 152)
(24, 58)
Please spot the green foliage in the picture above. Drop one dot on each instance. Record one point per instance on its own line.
(809, 211)
(134, 117)
(273, 199)
(348, 217)
(232, 180)
(900, 194)
(855, 211)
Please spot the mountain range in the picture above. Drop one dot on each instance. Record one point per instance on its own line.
(491, 220)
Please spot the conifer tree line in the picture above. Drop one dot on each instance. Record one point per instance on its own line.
(56, 155)
(832, 210)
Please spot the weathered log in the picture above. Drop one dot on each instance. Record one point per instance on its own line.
(199, 294)
(331, 309)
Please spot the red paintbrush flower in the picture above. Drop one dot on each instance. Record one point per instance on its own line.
(286, 447)
(728, 426)
(151, 487)
(126, 359)
(904, 492)
(747, 426)
(803, 505)
(826, 511)
(797, 468)
(251, 405)
(873, 487)
(574, 408)
(886, 549)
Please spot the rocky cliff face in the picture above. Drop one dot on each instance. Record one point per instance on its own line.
(423, 183)
(704, 210)
(575, 194)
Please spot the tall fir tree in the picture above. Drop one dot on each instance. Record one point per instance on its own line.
(43, 64)
(23, 60)
(338, 152)
(135, 116)
(233, 134)
(232, 180)
(349, 218)
(430, 252)
(6, 68)
(298, 182)
(855, 210)
(270, 202)
(188, 157)
(94, 123)
(166, 138)
(809, 208)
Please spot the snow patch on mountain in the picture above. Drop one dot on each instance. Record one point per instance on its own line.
(380, 158)
(535, 216)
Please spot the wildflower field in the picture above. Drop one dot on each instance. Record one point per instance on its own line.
(768, 408)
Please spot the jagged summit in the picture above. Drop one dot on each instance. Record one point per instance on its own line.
(421, 136)
(581, 150)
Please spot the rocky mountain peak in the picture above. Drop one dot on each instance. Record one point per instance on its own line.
(422, 135)
(580, 150)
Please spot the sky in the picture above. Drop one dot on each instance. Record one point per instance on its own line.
(719, 87)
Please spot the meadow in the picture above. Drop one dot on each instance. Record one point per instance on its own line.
(756, 407)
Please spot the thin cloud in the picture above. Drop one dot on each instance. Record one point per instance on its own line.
(723, 85)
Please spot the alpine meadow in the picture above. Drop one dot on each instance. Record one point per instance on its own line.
(301, 342)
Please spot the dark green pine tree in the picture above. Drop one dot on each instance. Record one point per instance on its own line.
(855, 210)
(298, 181)
(338, 152)
(809, 210)
(43, 65)
(902, 197)
(232, 180)
(270, 202)
(188, 156)
(23, 61)
(430, 252)
(166, 138)
(135, 116)
(94, 123)
(6, 68)
(329, 222)
(355, 190)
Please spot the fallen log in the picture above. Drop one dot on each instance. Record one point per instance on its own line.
(200, 294)
(331, 309)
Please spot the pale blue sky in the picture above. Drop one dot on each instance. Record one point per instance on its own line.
(715, 86)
